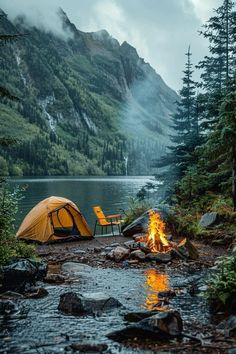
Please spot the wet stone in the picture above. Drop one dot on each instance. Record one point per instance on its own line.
(75, 269)
(16, 275)
(7, 307)
(159, 257)
(83, 304)
(164, 325)
(166, 294)
(36, 293)
(88, 348)
(54, 278)
(138, 316)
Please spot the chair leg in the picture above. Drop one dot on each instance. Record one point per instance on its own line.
(112, 229)
(119, 229)
(94, 232)
(102, 229)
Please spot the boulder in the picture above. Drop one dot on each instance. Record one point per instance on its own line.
(138, 254)
(72, 303)
(163, 325)
(118, 254)
(140, 225)
(209, 219)
(88, 348)
(159, 257)
(138, 316)
(185, 249)
(17, 274)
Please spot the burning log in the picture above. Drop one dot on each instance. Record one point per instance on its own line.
(156, 238)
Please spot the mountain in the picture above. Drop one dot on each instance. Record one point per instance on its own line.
(86, 103)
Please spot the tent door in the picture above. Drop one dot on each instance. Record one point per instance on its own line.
(63, 223)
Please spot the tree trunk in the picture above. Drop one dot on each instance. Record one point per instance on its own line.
(234, 177)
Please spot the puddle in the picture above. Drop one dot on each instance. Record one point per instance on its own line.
(46, 330)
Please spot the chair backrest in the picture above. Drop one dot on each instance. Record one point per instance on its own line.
(100, 215)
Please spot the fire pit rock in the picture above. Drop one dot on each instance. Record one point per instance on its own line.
(159, 257)
(164, 325)
(72, 303)
(140, 225)
(186, 250)
(138, 254)
(118, 254)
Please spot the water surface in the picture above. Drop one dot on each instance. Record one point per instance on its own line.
(112, 193)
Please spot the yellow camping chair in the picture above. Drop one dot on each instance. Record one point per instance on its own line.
(106, 220)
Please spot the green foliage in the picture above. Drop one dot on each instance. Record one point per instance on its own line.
(9, 245)
(136, 208)
(222, 283)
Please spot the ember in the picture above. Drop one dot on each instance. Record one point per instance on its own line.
(156, 238)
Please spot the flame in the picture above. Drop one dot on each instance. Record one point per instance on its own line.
(156, 239)
(154, 282)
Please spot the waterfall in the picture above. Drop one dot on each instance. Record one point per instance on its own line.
(126, 165)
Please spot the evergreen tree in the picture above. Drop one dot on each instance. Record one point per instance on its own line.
(218, 68)
(185, 125)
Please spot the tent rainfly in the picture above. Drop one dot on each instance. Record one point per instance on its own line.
(54, 218)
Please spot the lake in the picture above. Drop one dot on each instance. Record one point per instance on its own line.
(112, 193)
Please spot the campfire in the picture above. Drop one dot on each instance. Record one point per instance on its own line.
(152, 244)
(156, 239)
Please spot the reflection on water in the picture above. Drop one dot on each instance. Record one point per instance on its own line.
(154, 282)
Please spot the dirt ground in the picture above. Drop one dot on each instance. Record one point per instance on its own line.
(92, 252)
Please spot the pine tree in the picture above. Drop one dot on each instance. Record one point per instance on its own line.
(218, 67)
(185, 126)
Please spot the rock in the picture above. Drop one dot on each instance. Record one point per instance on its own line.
(159, 257)
(132, 245)
(88, 348)
(138, 254)
(54, 278)
(140, 225)
(16, 275)
(7, 307)
(82, 304)
(36, 293)
(115, 244)
(229, 326)
(118, 254)
(97, 249)
(209, 219)
(163, 325)
(185, 249)
(138, 316)
(76, 269)
(166, 294)
(11, 295)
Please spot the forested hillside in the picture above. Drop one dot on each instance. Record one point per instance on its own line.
(199, 169)
(85, 103)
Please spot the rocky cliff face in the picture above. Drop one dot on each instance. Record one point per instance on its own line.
(87, 101)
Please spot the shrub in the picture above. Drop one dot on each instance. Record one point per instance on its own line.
(135, 209)
(222, 283)
(9, 245)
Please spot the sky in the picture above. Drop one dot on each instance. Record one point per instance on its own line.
(160, 30)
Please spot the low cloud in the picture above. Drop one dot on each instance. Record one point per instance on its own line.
(160, 30)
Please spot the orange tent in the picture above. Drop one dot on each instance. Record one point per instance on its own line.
(53, 218)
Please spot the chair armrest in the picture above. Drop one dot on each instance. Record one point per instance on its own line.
(113, 216)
